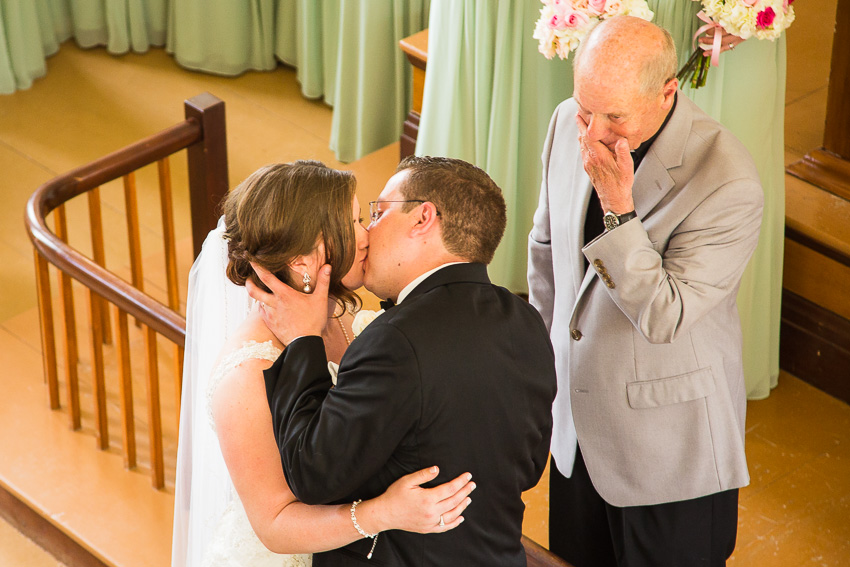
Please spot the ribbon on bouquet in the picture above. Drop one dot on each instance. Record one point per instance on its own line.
(718, 36)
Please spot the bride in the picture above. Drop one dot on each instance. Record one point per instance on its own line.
(232, 502)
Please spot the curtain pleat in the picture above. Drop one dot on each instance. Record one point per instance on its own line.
(372, 91)
(488, 99)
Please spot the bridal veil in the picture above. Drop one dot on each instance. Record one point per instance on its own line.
(215, 308)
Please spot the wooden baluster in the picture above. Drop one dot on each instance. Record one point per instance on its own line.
(71, 352)
(98, 254)
(133, 232)
(170, 244)
(128, 425)
(101, 424)
(48, 338)
(154, 413)
(169, 240)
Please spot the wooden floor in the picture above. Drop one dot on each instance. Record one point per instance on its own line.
(796, 511)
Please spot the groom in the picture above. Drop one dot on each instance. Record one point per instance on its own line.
(460, 373)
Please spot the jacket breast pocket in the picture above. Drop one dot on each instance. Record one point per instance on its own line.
(672, 390)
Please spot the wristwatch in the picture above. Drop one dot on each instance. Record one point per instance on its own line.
(613, 220)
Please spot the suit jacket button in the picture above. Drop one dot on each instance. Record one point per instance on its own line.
(610, 283)
(598, 263)
(575, 334)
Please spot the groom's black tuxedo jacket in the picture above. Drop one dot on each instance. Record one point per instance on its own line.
(461, 375)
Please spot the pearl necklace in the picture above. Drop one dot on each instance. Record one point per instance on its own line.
(344, 332)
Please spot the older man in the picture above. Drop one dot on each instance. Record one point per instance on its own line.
(649, 211)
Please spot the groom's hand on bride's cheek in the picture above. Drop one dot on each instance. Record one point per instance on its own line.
(289, 313)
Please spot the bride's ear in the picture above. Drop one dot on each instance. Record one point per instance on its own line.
(308, 264)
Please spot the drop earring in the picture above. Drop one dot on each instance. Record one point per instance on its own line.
(307, 279)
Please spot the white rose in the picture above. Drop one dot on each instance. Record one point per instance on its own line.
(333, 369)
(362, 320)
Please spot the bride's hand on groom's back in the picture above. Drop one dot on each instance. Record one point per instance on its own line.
(409, 507)
(289, 313)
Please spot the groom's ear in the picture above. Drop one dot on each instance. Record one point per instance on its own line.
(426, 219)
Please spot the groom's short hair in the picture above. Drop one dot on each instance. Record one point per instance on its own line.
(471, 206)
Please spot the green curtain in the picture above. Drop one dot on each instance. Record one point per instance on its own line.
(746, 93)
(488, 99)
(31, 31)
(345, 51)
(489, 96)
(373, 78)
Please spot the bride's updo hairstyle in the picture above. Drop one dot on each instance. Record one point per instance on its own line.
(283, 211)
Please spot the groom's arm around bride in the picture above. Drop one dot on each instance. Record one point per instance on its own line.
(460, 374)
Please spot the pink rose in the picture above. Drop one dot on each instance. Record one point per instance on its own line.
(750, 3)
(574, 19)
(556, 22)
(765, 18)
(597, 6)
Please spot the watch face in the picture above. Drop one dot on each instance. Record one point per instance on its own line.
(611, 221)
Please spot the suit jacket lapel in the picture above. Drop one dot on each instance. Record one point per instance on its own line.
(652, 179)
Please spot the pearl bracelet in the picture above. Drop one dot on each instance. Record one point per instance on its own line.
(361, 531)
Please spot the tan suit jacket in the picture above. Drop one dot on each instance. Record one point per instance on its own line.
(648, 341)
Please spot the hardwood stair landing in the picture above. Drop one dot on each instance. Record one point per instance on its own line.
(57, 488)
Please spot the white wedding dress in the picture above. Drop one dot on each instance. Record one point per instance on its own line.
(235, 544)
(211, 528)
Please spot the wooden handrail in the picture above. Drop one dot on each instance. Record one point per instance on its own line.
(188, 134)
(539, 556)
(202, 134)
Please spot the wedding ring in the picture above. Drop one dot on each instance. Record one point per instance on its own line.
(442, 523)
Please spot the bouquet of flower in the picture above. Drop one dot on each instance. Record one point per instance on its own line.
(762, 19)
(563, 24)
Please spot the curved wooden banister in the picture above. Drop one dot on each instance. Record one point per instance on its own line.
(206, 189)
(202, 134)
(112, 288)
(82, 179)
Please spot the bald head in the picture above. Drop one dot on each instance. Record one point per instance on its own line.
(624, 79)
(629, 50)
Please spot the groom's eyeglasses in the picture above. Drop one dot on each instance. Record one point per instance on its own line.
(375, 214)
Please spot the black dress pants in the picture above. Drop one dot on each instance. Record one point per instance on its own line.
(588, 532)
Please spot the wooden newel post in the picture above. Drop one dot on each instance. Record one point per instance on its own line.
(829, 167)
(416, 49)
(208, 177)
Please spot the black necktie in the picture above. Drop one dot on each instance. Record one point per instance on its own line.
(386, 304)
